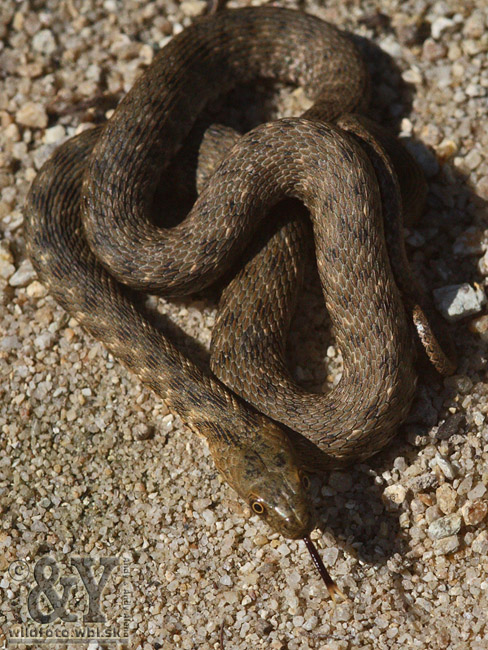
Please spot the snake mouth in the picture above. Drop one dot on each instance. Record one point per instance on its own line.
(298, 526)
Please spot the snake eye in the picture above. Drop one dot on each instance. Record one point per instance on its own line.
(257, 507)
(305, 479)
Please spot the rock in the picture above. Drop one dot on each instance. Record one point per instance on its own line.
(7, 267)
(54, 135)
(447, 545)
(440, 25)
(451, 426)
(458, 301)
(193, 8)
(473, 158)
(480, 543)
(475, 26)
(9, 343)
(394, 495)
(461, 383)
(12, 133)
(432, 51)
(446, 149)
(471, 242)
(477, 492)
(474, 511)
(480, 326)
(446, 468)
(423, 483)
(445, 526)
(36, 290)
(446, 498)
(44, 341)
(44, 42)
(24, 275)
(330, 555)
(32, 115)
(483, 264)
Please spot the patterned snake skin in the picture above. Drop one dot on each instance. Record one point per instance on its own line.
(93, 242)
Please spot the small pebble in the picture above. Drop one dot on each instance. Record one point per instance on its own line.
(440, 25)
(446, 467)
(44, 42)
(446, 498)
(7, 268)
(450, 426)
(24, 275)
(394, 494)
(330, 555)
(209, 517)
(459, 301)
(33, 115)
(445, 526)
(474, 511)
(36, 290)
(9, 343)
(477, 491)
(193, 7)
(446, 545)
(480, 543)
(446, 149)
(461, 383)
(483, 264)
(480, 326)
(423, 483)
(54, 135)
(475, 25)
(472, 241)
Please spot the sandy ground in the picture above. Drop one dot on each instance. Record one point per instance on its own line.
(92, 464)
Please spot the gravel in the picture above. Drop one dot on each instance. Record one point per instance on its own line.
(92, 464)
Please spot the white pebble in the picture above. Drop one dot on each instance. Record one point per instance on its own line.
(458, 301)
(483, 264)
(6, 269)
(480, 543)
(226, 580)
(10, 343)
(440, 25)
(446, 467)
(24, 275)
(477, 492)
(209, 517)
(54, 134)
(44, 341)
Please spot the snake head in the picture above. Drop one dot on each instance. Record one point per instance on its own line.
(265, 473)
(282, 501)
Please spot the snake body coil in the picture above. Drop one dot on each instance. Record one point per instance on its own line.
(107, 177)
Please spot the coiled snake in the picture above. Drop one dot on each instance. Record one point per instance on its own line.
(90, 236)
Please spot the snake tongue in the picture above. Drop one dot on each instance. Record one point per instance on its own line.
(332, 587)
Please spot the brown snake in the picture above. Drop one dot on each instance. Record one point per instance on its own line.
(340, 172)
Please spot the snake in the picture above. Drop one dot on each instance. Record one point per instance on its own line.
(93, 239)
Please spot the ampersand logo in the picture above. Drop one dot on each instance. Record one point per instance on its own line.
(46, 585)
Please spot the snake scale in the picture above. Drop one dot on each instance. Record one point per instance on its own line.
(93, 242)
